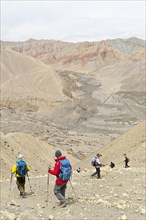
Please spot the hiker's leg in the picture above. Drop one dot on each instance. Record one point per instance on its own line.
(93, 174)
(98, 172)
(23, 186)
(23, 183)
(19, 185)
(63, 189)
(57, 192)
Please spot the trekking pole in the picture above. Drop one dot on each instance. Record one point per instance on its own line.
(10, 183)
(48, 185)
(29, 182)
(73, 189)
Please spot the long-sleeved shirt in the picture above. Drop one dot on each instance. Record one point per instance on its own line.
(98, 162)
(15, 169)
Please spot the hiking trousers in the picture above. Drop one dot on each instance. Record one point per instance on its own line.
(97, 172)
(59, 191)
(21, 184)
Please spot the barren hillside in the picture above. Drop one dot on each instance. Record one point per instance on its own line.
(26, 77)
(133, 143)
(37, 153)
(91, 89)
(119, 195)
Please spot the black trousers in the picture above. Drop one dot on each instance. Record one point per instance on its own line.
(21, 184)
(97, 172)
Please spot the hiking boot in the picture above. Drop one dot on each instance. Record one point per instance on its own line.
(60, 204)
(64, 205)
(21, 193)
(24, 195)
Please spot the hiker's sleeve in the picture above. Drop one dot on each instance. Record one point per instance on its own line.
(98, 161)
(70, 167)
(56, 170)
(28, 167)
(14, 169)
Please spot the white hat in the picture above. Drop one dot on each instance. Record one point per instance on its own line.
(20, 157)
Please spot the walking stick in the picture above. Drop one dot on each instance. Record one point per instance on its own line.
(48, 184)
(29, 182)
(10, 183)
(47, 187)
(73, 189)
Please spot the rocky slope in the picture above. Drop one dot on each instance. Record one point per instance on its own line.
(119, 195)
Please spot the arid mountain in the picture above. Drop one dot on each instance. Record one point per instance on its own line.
(90, 88)
(86, 57)
(79, 98)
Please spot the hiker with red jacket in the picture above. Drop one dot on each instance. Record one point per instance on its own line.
(62, 171)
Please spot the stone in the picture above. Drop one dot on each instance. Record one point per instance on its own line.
(116, 195)
(120, 207)
(13, 203)
(41, 213)
(143, 211)
(51, 217)
(9, 216)
(97, 196)
(125, 195)
(123, 217)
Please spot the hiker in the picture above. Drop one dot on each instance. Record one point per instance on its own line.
(62, 171)
(97, 164)
(112, 165)
(126, 161)
(20, 168)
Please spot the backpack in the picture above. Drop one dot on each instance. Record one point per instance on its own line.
(93, 161)
(21, 168)
(127, 159)
(65, 169)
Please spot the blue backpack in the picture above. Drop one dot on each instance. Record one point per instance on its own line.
(93, 161)
(21, 168)
(65, 169)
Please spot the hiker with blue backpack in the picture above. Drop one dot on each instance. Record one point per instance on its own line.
(62, 170)
(21, 168)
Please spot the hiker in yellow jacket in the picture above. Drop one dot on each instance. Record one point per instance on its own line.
(20, 168)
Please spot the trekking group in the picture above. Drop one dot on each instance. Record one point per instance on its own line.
(62, 170)
(96, 162)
